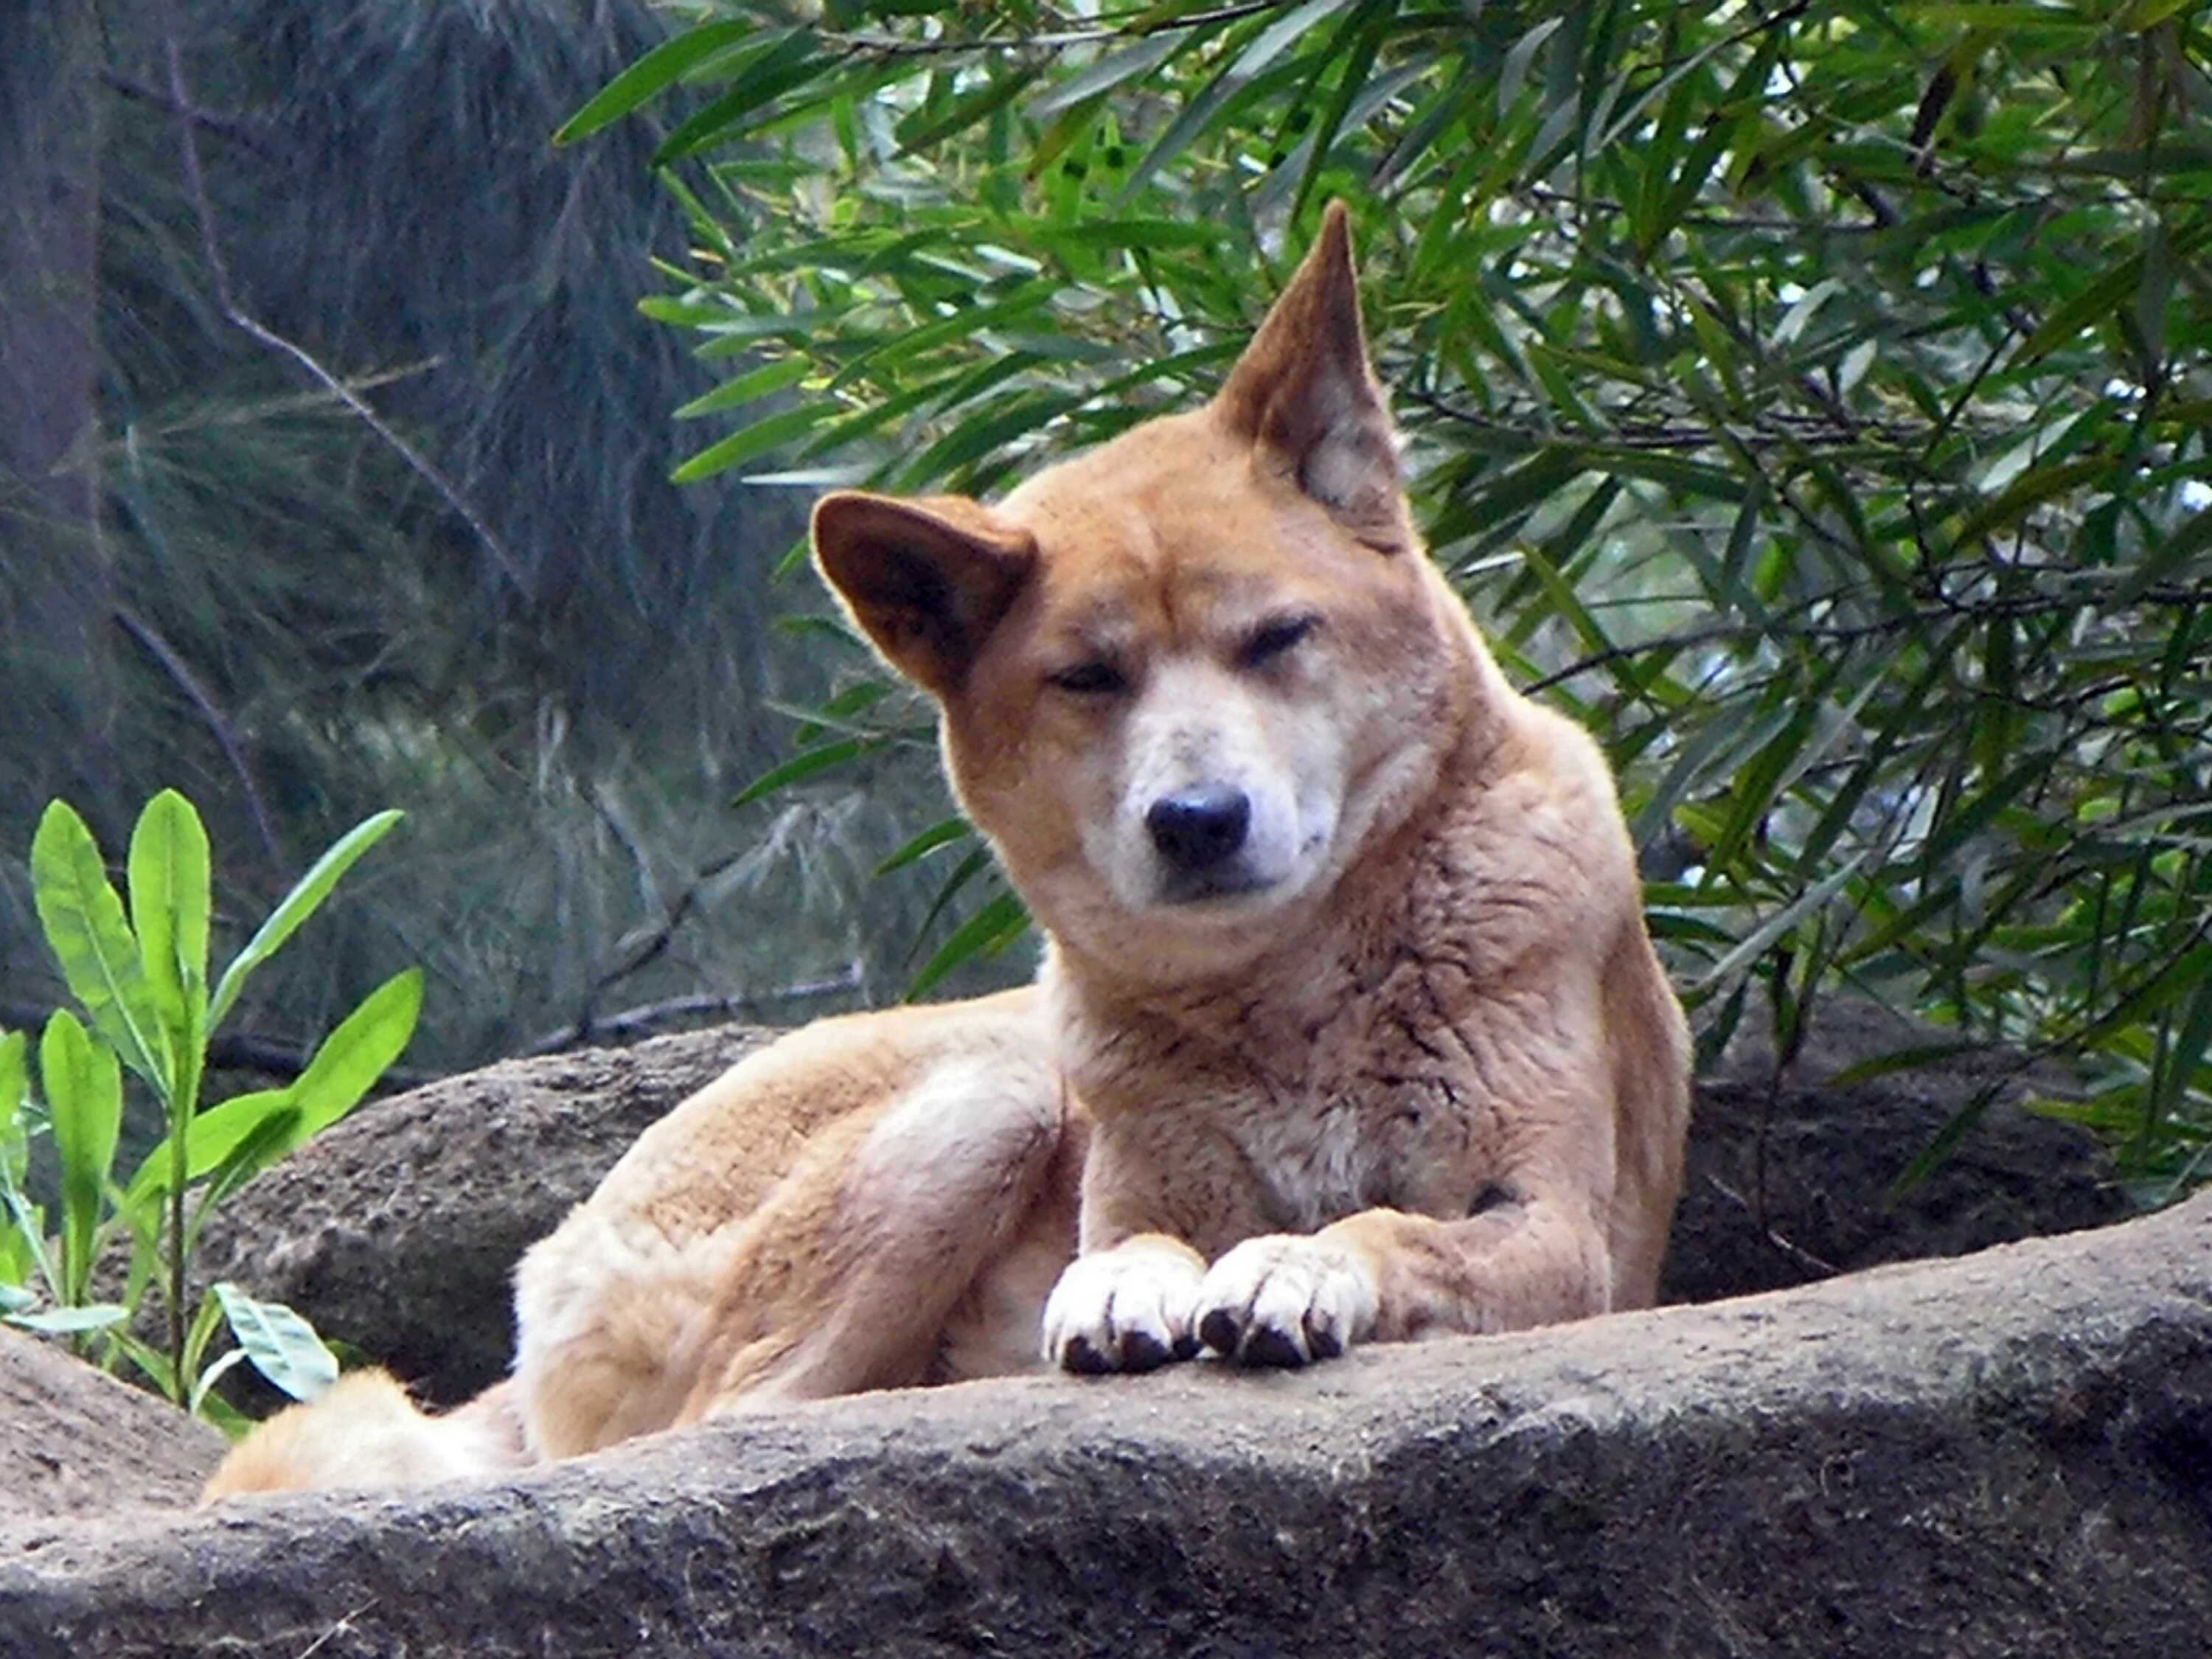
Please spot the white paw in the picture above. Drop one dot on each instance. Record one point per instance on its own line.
(1128, 1309)
(1283, 1299)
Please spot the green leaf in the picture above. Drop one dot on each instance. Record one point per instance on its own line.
(753, 440)
(84, 1097)
(803, 766)
(71, 1322)
(281, 1345)
(1108, 73)
(303, 901)
(171, 896)
(349, 1061)
(238, 1133)
(14, 1089)
(83, 920)
(983, 935)
(652, 73)
(944, 833)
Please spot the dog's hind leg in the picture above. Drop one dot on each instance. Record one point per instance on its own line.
(912, 1218)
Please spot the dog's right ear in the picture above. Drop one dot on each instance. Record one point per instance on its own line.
(926, 580)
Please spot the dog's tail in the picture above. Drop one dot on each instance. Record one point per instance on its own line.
(367, 1432)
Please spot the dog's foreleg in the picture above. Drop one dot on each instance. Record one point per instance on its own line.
(1383, 1275)
(848, 1273)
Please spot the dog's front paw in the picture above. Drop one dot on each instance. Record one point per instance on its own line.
(1127, 1309)
(1283, 1299)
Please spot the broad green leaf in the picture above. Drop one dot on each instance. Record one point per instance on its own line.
(83, 1087)
(349, 1061)
(303, 901)
(334, 1081)
(264, 1142)
(83, 917)
(14, 1088)
(171, 896)
(281, 1345)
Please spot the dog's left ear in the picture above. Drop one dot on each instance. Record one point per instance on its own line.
(1305, 395)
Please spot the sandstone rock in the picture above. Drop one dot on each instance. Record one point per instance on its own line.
(76, 1441)
(2010, 1455)
(396, 1231)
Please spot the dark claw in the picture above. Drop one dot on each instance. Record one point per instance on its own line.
(1143, 1352)
(1082, 1358)
(1219, 1331)
(1269, 1346)
(1186, 1346)
(1324, 1343)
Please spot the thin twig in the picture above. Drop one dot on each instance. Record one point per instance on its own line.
(237, 317)
(652, 1016)
(179, 671)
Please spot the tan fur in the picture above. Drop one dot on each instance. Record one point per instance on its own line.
(1348, 1030)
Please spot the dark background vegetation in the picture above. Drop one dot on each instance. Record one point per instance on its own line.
(1811, 396)
(334, 476)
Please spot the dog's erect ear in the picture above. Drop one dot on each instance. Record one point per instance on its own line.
(926, 580)
(1305, 393)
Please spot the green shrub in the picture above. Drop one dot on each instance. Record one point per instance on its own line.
(140, 977)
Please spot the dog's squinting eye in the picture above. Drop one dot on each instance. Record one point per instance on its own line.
(1272, 639)
(1090, 679)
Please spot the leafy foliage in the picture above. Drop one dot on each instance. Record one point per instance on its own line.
(489, 607)
(1813, 396)
(141, 975)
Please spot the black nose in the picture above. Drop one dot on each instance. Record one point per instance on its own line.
(1194, 828)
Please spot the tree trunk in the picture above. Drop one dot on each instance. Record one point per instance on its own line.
(56, 597)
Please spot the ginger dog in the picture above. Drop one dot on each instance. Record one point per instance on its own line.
(1348, 1028)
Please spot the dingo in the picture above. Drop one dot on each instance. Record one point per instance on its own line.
(1348, 1028)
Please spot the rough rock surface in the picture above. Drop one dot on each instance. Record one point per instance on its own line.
(397, 1231)
(2010, 1455)
(75, 1442)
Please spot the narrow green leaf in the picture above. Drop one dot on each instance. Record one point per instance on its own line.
(748, 388)
(800, 766)
(71, 1322)
(261, 1145)
(650, 73)
(758, 439)
(983, 935)
(1108, 73)
(212, 1137)
(943, 833)
(303, 901)
(1761, 939)
(787, 60)
(349, 1061)
(15, 1087)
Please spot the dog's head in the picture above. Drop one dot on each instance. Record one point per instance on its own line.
(1187, 677)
